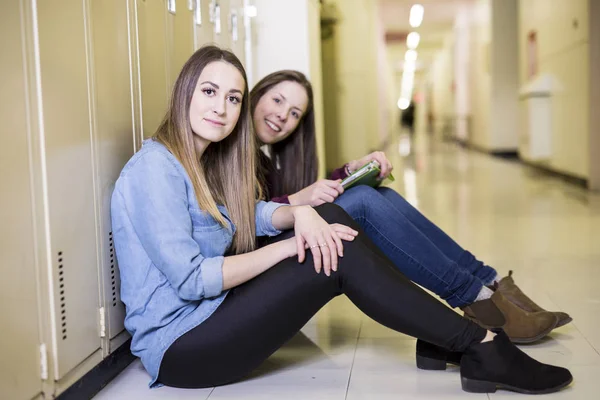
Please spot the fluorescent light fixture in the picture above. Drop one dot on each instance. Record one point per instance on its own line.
(412, 40)
(409, 66)
(416, 15)
(408, 80)
(403, 103)
(410, 55)
(251, 11)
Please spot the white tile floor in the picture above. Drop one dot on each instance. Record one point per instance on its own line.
(510, 216)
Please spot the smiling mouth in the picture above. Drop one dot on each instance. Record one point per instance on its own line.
(272, 126)
(213, 122)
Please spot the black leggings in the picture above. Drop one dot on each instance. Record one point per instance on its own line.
(259, 316)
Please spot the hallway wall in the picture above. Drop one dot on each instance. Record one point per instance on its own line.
(355, 83)
(562, 29)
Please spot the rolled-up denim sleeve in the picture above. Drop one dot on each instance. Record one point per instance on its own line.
(264, 218)
(153, 196)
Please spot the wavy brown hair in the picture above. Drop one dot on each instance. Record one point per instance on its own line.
(225, 172)
(296, 154)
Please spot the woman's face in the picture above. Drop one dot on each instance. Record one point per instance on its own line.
(279, 111)
(216, 103)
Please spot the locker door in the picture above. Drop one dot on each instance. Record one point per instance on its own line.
(152, 42)
(203, 27)
(236, 29)
(114, 131)
(70, 190)
(180, 33)
(221, 23)
(20, 363)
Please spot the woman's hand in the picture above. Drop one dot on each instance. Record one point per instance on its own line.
(320, 192)
(322, 239)
(385, 164)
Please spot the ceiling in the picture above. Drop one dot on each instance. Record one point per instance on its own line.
(438, 22)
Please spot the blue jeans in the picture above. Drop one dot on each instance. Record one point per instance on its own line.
(418, 248)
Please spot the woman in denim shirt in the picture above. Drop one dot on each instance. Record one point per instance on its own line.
(281, 105)
(205, 307)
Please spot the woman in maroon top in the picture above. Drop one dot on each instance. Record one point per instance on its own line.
(283, 115)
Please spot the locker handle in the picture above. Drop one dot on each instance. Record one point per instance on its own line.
(198, 12)
(171, 6)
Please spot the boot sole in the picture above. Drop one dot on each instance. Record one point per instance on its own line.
(533, 339)
(433, 364)
(476, 386)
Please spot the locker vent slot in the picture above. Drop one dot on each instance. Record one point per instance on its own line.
(112, 269)
(63, 304)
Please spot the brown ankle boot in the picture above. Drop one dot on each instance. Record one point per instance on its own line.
(512, 292)
(520, 325)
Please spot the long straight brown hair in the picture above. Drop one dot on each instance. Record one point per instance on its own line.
(296, 156)
(225, 173)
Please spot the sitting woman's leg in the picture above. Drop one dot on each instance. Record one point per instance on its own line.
(418, 257)
(259, 316)
(439, 238)
(411, 251)
(464, 258)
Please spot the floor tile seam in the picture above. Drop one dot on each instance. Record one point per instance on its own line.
(574, 324)
(353, 359)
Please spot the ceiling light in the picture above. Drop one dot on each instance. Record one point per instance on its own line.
(251, 11)
(410, 55)
(403, 104)
(412, 40)
(416, 15)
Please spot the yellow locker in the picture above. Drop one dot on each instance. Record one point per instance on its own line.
(221, 14)
(237, 35)
(70, 197)
(114, 135)
(152, 47)
(203, 24)
(20, 372)
(180, 37)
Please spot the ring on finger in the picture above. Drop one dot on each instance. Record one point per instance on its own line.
(322, 244)
(316, 245)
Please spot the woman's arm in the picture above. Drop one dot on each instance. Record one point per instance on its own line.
(385, 164)
(284, 217)
(320, 192)
(243, 267)
(323, 240)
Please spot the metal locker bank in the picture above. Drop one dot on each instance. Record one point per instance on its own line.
(83, 83)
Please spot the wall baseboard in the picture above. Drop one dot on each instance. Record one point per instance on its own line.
(91, 383)
(513, 155)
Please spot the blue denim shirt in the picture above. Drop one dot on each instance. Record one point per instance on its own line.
(170, 253)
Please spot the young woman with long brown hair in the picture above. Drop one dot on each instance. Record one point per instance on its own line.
(205, 307)
(283, 115)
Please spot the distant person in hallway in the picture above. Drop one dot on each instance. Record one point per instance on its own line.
(205, 307)
(407, 118)
(282, 109)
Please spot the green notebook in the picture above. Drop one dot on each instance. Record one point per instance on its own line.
(368, 174)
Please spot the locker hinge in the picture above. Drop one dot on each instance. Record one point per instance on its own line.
(102, 315)
(43, 362)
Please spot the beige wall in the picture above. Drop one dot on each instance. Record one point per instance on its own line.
(504, 68)
(387, 96)
(287, 35)
(355, 83)
(480, 82)
(442, 75)
(563, 52)
(594, 145)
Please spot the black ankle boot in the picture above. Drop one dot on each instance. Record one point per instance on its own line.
(432, 357)
(499, 364)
